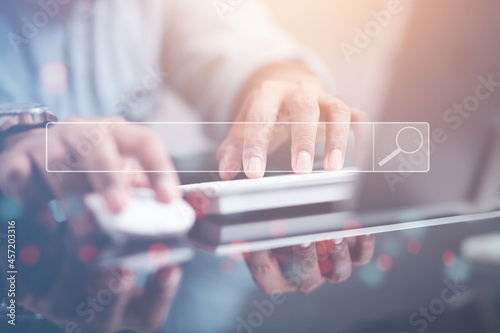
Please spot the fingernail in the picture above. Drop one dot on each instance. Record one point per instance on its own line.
(338, 241)
(304, 162)
(233, 166)
(222, 169)
(222, 164)
(336, 159)
(254, 167)
(227, 170)
(168, 190)
(305, 245)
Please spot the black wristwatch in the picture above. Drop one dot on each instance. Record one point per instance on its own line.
(18, 118)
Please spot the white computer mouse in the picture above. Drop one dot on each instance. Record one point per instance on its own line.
(144, 216)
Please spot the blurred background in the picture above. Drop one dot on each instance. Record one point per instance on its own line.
(323, 25)
(409, 270)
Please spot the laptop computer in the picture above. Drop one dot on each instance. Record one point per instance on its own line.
(447, 73)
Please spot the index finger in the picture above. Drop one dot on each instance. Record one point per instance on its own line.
(263, 109)
(362, 250)
(305, 271)
(149, 308)
(306, 111)
(338, 116)
(149, 149)
(267, 273)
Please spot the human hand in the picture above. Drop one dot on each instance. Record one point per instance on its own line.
(99, 146)
(59, 280)
(281, 98)
(303, 268)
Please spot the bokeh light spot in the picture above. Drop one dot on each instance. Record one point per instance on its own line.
(325, 266)
(54, 77)
(278, 228)
(29, 255)
(159, 253)
(370, 275)
(384, 263)
(351, 225)
(460, 270)
(449, 258)
(413, 246)
(392, 246)
(324, 248)
(200, 204)
(88, 253)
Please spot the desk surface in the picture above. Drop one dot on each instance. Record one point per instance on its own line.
(408, 286)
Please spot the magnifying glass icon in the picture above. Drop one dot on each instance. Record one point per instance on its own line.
(409, 140)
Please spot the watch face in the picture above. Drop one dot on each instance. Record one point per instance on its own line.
(16, 109)
(31, 114)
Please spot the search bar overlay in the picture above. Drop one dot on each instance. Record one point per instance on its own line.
(371, 146)
(401, 147)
